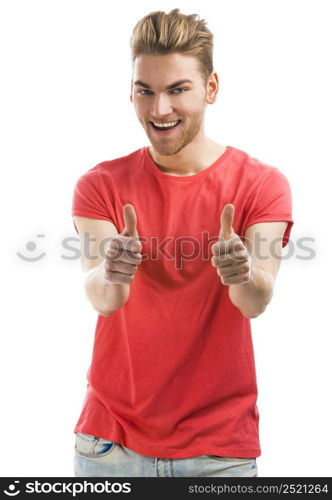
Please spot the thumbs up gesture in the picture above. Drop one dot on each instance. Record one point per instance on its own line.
(123, 254)
(230, 256)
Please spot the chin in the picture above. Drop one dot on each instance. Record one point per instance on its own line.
(167, 150)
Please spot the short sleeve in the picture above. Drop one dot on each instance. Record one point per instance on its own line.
(88, 199)
(272, 203)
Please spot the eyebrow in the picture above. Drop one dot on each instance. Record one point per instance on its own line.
(172, 86)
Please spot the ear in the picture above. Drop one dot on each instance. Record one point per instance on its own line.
(212, 88)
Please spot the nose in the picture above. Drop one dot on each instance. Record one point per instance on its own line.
(162, 106)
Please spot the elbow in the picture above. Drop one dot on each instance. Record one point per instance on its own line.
(259, 307)
(254, 314)
(102, 312)
(105, 314)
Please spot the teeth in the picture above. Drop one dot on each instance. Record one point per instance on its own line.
(169, 124)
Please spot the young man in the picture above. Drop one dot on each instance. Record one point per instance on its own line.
(185, 239)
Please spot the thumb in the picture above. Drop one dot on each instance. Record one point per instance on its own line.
(130, 220)
(226, 222)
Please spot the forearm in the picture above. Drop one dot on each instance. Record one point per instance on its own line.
(105, 297)
(253, 296)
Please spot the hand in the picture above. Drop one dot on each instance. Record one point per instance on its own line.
(230, 256)
(123, 254)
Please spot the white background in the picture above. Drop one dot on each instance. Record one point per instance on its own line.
(65, 107)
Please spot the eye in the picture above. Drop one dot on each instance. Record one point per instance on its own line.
(179, 88)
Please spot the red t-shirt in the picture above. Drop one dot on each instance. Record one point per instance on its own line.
(172, 373)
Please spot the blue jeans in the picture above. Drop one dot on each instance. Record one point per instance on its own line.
(98, 457)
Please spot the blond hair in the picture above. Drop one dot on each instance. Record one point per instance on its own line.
(159, 33)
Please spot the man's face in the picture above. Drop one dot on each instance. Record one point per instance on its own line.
(160, 97)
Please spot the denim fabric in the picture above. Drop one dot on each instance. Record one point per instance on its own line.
(98, 457)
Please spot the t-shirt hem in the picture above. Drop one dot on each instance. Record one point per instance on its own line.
(177, 453)
(276, 218)
(91, 216)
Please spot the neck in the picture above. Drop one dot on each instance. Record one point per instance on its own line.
(192, 159)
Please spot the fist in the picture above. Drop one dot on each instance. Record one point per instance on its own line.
(123, 254)
(230, 256)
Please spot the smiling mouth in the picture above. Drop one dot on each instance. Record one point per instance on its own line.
(163, 128)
